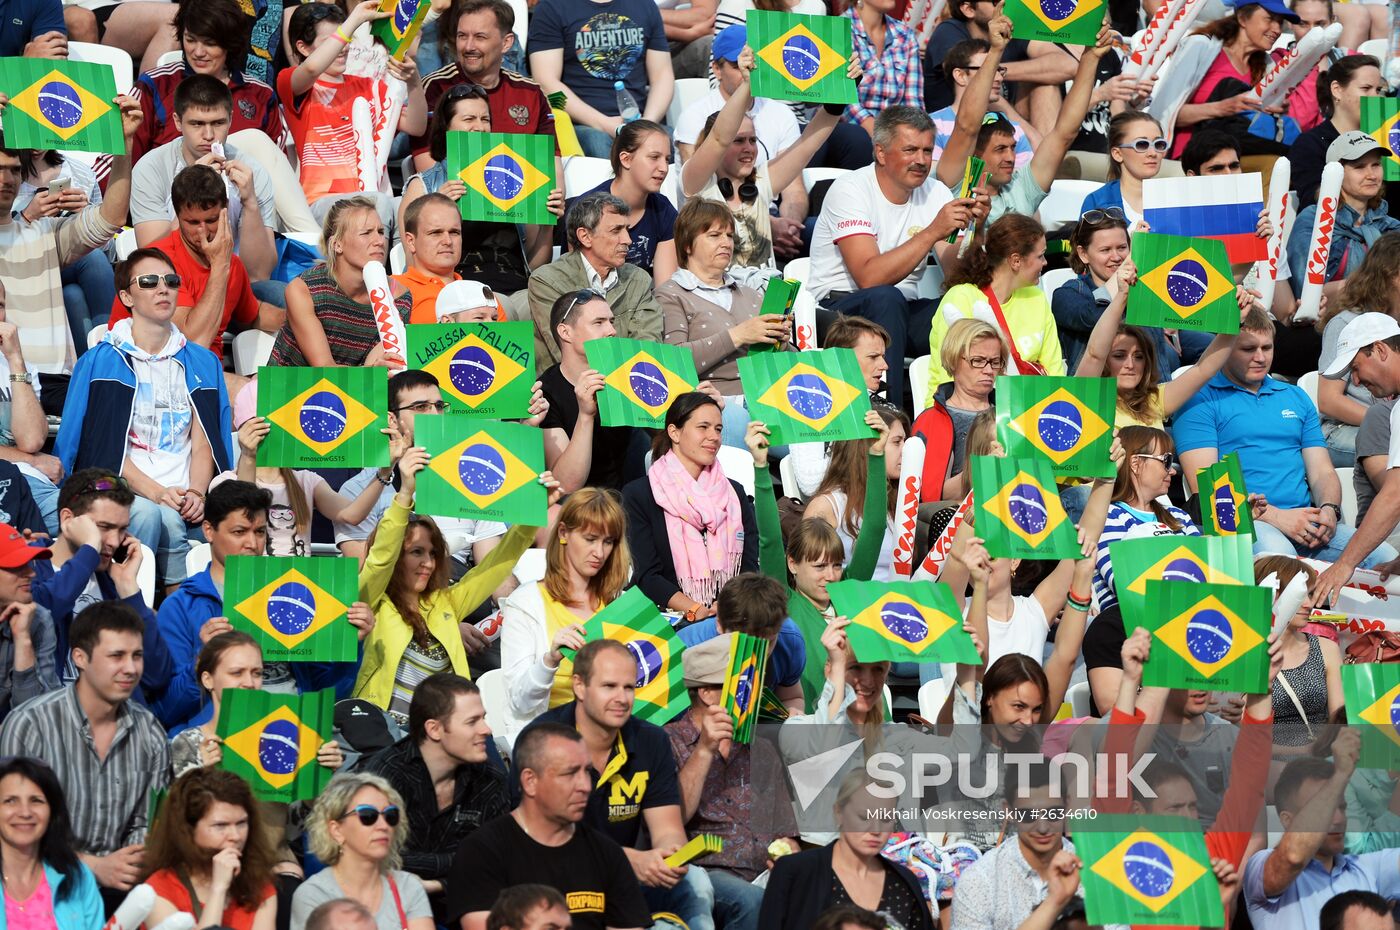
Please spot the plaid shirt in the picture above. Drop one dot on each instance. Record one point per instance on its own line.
(892, 78)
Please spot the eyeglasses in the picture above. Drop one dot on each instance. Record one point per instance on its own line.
(424, 406)
(1144, 145)
(149, 282)
(977, 362)
(1001, 69)
(108, 483)
(1105, 215)
(369, 815)
(748, 191)
(1167, 460)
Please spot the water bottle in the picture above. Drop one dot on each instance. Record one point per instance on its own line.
(626, 104)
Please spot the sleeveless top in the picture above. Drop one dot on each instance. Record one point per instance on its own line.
(1309, 683)
(884, 565)
(349, 325)
(35, 912)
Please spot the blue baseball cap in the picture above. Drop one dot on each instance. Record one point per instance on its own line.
(1276, 7)
(729, 43)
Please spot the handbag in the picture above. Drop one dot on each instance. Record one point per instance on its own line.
(1375, 646)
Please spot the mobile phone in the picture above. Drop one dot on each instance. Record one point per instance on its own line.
(119, 555)
(58, 185)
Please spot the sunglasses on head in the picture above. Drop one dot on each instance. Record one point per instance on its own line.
(1144, 145)
(1105, 215)
(110, 483)
(149, 282)
(369, 815)
(463, 91)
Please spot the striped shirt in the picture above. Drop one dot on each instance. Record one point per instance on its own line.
(1125, 522)
(32, 256)
(418, 663)
(350, 329)
(108, 799)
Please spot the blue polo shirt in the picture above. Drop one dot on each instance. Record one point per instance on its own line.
(1269, 430)
(1298, 907)
(23, 20)
(785, 662)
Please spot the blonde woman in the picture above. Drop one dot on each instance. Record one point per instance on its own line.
(586, 566)
(329, 318)
(974, 353)
(358, 828)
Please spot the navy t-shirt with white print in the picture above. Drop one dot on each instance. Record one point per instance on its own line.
(602, 43)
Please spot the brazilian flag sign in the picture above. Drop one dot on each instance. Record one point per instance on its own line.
(1068, 421)
(807, 396)
(508, 176)
(1198, 560)
(1148, 871)
(743, 683)
(1372, 691)
(1224, 501)
(398, 31)
(801, 57)
(1018, 510)
(61, 104)
(481, 469)
(1069, 22)
(324, 417)
(1380, 118)
(640, 379)
(1211, 637)
(634, 621)
(483, 368)
(1183, 283)
(295, 607)
(271, 740)
(903, 621)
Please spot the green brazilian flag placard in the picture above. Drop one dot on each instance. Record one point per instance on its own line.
(1380, 118)
(1147, 871)
(743, 683)
(1372, 691)
(271, 740)
(1018, 510)
(1183, 283)
(807, 396)
(508, 176)
(640, 379)
(486, 369)
(1225, 507)
(1196, 559)
(294, 606)
(481, 470)
(398, 31)
(801, 57)
(324, 417)
(1068, 22)
(61, 104)
(903, 621)
(1211, 637)
(1068, 421)
(634, 621)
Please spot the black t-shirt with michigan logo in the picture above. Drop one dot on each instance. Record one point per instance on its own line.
(640, 774)
(590, 871)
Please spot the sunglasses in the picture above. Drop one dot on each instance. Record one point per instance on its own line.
(748, 191)
(1167, 460)
(1105, 215)
(149, 282)
(1144, 145)
(111, 483)
(463, 91)
(369, 815)
(580, 297)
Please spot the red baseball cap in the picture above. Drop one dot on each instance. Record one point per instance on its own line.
(15, 550)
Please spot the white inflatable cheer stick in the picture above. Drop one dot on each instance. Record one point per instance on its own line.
(177, 921)
(1320, 245)
(943, 545)
(1177, 30)
(1287, 603)
(1365, 579)
(804, 322)
(1152, 38)
(131, 913)
(1277, 206)
(391, 332)
(911, 472)
(1296, 64)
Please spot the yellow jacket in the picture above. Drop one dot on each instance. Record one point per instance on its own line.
(387, 642)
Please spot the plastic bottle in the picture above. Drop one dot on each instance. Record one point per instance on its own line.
(626, 104)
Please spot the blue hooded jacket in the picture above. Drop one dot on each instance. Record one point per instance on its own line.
(181, 615)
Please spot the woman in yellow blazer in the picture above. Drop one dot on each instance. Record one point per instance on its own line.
(406, 580)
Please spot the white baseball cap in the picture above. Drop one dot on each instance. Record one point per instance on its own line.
(464, 295)
(1366, 330)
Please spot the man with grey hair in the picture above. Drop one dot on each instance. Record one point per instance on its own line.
(341, 914)
(877, 228)
(596, 260)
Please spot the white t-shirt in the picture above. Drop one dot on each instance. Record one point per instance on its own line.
(1025, 631)
(773, 123)
(855, 206)
(282, 535)
(160, 438)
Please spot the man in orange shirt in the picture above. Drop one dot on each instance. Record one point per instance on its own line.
(432, 240)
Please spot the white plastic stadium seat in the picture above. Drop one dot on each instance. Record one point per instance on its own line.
(398, 260)
(1376, 48)
(1345, 476)
(146, 574)
(530, 566)
(106, 55)
(126, 244)
(170, 58)
(198, 559)
(671, 186)
(787, 472)
(251, 350)
(810, 176)
(494, 699)
(582, 174)
(799, 269)
(918, 382)
(1050, 281)
(1081, 699)
(1309, 385)
(96, 335)
(1181, 371)
(932, 695)
(522, 22)
(737, 465)
(688, 90)
(1062, 203)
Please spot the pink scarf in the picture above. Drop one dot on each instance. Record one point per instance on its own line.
(703, 523)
